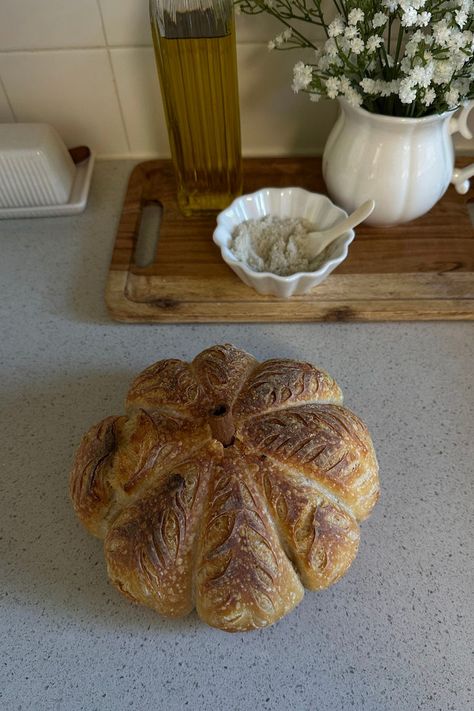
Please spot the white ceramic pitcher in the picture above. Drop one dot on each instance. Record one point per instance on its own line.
(404, 164)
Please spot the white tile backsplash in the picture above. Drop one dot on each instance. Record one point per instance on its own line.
(274, 119)
(126, 22)
(47, 24)
(88, 68)
(72, 90)
(6, 115)
(139, 92)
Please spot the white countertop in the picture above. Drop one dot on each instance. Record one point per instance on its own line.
(394, 633)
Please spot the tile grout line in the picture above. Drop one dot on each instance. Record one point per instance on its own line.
(84, 48)
(9, 103)
(114, 79)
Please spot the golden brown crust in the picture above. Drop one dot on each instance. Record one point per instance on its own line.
(320, 537)
(151, 546)
(244, 579)
(326, 443)
(90, 485)
(222, 371)
(169, 385)
(281, 383)
(152, 443)
(228, 485)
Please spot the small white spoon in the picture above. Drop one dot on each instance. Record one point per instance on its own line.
(318, 241)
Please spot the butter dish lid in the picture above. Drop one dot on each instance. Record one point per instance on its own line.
(36, 168)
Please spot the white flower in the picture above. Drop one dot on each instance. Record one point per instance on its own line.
(443, 72)
(314, 97)
(461, 17)
(353, 97)
(422, 75)
(336, 27)
(407, 92)
(271, 45)
(369, 85)
(428, 97)
(324, 63)
(411, 47)
(357, 45)
(379, 19)
(441, 33)
(423, 19)
(416, 4)
(409, 17)
(390, 87)
(452, 98)
(332, 87)
(302, 76)
(355, 16)
(283, 37)
(391, 5)
(373, 42)
(330, 47)
(350, 32)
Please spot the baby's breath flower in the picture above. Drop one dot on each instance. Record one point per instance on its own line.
(302, 76)
(443, 71)
(407, 92)
(350, 32)
(391, 5)
(331, 47)
(461, 17)
(336, 27)
(353, 97)
(452, 98)
(373, 42)
(379, 19)
(423, 19)
(357, 45)
(369, 85)
(442, 33)
(332, 87)
(428, 97)
(422, 75)
(409, 17)
(355, 16)
(434, 71)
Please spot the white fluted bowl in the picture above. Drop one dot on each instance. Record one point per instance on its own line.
(282, 202)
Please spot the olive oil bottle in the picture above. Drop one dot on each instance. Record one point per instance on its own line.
(195, 52)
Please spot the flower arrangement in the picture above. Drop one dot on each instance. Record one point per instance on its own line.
(407, 58)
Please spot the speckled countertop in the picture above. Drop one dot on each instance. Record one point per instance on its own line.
(395, 633)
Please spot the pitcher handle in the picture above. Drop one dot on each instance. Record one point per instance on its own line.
(458, 123)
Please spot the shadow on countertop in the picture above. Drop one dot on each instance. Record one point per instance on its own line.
(49, 563)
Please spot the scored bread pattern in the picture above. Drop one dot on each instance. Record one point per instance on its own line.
(228, 486)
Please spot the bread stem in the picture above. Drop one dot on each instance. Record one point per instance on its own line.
(222, 425)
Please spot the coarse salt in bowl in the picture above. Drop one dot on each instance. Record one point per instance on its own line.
(282, 202)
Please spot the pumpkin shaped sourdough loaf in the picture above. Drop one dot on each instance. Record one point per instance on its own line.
(229, 486)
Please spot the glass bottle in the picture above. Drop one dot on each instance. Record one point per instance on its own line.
(195, 53)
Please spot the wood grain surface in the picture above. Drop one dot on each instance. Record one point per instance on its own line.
(423, 270)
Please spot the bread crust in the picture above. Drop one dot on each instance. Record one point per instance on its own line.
(228, 486)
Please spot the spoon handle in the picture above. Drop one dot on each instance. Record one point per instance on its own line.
(355, 218)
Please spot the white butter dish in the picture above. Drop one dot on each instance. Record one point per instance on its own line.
(35, 166)
(77, 200)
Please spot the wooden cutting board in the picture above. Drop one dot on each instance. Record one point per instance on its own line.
(423, 270)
